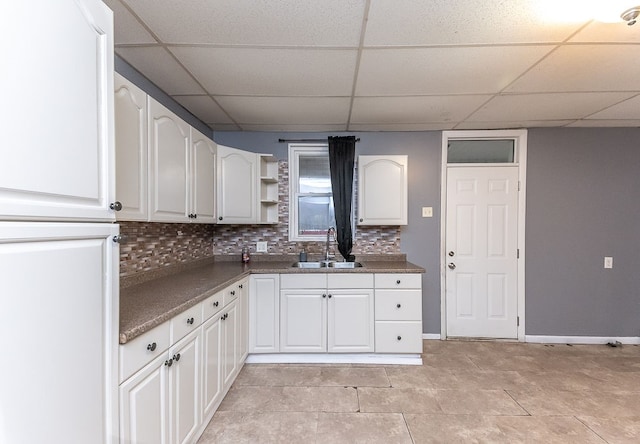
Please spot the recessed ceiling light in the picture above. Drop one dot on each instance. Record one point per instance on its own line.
(630, 15)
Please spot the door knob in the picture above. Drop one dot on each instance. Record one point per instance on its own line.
(452, 266)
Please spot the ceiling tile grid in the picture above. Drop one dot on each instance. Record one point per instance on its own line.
(385, 65)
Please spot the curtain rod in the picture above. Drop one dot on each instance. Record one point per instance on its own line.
(306, 140)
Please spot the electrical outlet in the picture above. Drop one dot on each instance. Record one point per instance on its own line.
(427, 211)
(608, 262)
(261, 247)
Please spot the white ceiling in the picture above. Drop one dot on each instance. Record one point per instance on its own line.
(386, 65)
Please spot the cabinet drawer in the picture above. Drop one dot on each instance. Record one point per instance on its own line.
(231, 293)
(398, 305)
(186, 322)
(137, 353)
(212, 305)
(303, 280)
(398, 280)
(349, 280)
(399, 337)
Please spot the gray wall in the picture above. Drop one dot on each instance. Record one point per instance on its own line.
(583, 203)
(583, 190)
(134, 76)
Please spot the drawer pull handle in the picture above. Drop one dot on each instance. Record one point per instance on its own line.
(398, 282)
(399, 338)
(168, 363)
(190, 321)
(176, 357)
(398, 305)
(152, 346)
(224, 316)
(216, 303)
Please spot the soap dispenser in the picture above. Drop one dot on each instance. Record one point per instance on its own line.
(303, 256)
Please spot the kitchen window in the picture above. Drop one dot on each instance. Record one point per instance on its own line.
(310, 196)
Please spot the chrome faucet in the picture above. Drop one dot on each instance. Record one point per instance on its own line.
(329, 231)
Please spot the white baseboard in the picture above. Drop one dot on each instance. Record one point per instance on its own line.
(334, 358)
(582, 339)
(431, 336)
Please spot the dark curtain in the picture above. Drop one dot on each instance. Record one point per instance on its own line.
(342, 152)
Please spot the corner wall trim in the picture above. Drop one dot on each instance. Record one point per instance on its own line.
(433, 336)
(582, 339)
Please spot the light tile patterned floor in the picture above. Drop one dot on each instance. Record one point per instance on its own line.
(466, 392)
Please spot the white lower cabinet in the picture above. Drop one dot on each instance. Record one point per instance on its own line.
(168, 396)
(264, 313)
(161, 402)
(326, 313)
(398, 299)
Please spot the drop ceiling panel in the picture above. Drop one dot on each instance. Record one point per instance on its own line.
(275, 72)
(584, 68)
(162, 69)
(204, 108)
(286, 110)
(422, 109)
(128, 28)
(296, 128)
(627, 110)
(249, 22)
(442, 71)
(400, 126)
(447, 22)
(512, 125)
(560, 106)
(605, 123)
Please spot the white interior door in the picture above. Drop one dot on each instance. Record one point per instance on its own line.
(481, 252)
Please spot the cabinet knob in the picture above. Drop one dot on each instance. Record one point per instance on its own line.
(176, 357)
(233, 293)
(151, 347)
(240, 286)
(361, 220)
(330, 296)
(195, 216)
(117, 239)
(190, 321)
(115, 206)
(398, 282)
(324, 295)
(398, 306)
(216, 303)
(168, 363)
(220, 218)
(399, 338)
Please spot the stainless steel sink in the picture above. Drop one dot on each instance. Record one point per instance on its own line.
(345, 264)
(308, 265)
(323, 264)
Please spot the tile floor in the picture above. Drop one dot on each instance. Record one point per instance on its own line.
(466, 392)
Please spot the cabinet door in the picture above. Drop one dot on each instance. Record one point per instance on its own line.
(264, 313)
(303, 321)
(56, 131)
(350, 321)
(237, 183)
(212, 348)
(58, 298)
(131, 150)
(203, 166)
(184, 383)
(230, 348)
(169, 144)
(243, 322)
(144, 408)
(382, 190)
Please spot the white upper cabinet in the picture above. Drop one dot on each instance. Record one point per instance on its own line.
(203, 166)
(56, 141)
(237, 186)
(382, 190)
(131, 150)
(169, 145)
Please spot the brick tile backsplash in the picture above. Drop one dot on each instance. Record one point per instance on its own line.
(150, 245)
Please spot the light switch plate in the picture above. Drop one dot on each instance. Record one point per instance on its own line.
(427, 211)
(608, 262)
(261, 247)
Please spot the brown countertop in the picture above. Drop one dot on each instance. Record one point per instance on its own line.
(146, 303)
